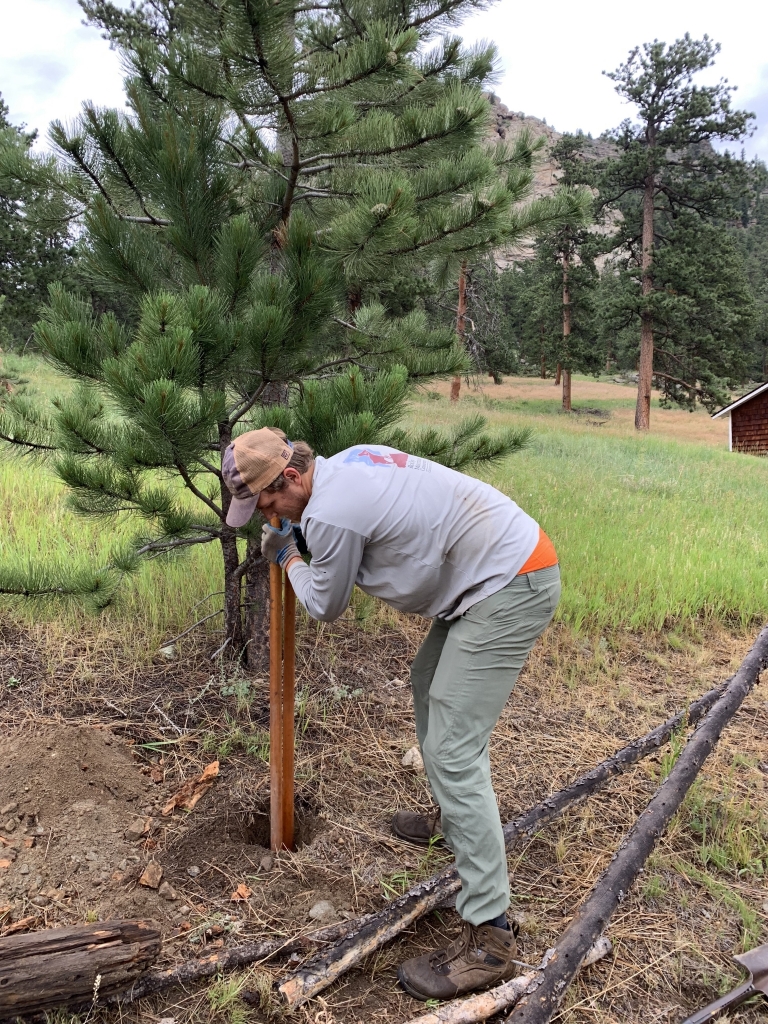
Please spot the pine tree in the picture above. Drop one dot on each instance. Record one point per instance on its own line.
(276, 161)
(665, 168)
(35, 244)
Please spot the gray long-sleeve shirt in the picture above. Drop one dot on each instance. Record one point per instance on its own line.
(422, 537)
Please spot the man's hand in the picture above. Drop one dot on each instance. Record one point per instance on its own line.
(279, 545)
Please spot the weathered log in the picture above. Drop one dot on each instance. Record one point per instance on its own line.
(71, 966)
(393, 919)
(483, 1005)
(546, 991)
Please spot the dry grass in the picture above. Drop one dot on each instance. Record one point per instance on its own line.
(530, 394)
(702, 895)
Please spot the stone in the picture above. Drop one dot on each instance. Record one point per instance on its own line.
(151, 875)
(193, 870)
(169, 651)
(266, 864)
(324, 912)
(10, 825)
(9, 808)
(40, 900)
(24, 869)
(84, 806)
(167, 892)
(91, 855)
(412, 759)
(135, 830)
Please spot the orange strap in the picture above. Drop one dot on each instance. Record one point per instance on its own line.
(543, 555)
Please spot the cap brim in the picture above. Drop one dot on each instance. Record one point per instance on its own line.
(241, 510)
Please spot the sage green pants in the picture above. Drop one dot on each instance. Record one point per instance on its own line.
(461, 677)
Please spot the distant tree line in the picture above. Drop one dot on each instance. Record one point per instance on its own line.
(670, 280)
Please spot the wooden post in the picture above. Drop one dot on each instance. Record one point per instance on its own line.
(275, 704)
(289, 683)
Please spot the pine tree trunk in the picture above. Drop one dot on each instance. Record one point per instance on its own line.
(257, 608)
(566, 335)
(558, 375)
(461, 312)
(233, 620)
(645, 366)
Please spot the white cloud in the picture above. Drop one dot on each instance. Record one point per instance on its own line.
(50, 63)
(552, 53)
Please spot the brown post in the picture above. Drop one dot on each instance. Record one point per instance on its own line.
(275, 704)
(289, 682)
(461, 312)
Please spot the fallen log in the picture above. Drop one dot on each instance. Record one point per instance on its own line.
(59, 967)
(546, 991)
(393, 919)
(483, 1005)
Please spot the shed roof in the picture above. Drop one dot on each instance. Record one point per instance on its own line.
(740, 401)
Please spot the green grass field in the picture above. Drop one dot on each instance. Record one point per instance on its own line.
(650, 530)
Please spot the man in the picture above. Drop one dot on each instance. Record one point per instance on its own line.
(431, 541)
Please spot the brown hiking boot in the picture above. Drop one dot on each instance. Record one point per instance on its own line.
(420, 829)
(480, 957)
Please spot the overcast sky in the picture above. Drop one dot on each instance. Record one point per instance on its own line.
(552, 55)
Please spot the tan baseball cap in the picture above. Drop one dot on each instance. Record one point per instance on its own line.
(250, 463)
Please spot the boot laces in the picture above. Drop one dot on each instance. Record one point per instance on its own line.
(463, 947)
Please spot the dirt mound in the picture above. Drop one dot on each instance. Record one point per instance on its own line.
(82, 831)
(48, 769)
(70, 800)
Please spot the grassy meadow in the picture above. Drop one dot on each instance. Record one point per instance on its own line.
(662, 530)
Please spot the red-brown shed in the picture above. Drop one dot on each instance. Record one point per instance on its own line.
(748, 422)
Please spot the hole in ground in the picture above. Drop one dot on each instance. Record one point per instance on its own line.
(252, 826)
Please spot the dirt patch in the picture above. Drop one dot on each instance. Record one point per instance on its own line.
(68, 795)
(81, 823)
(577, 701)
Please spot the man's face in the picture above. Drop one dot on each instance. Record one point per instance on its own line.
(290, 501)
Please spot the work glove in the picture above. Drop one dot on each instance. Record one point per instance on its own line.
(279, 545)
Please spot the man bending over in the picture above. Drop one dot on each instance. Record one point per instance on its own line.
(431, 541)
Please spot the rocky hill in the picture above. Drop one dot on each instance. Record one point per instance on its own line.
(509, 123)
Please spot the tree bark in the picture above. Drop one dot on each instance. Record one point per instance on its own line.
(558, 375)
(645, 365)
(461, 312)
(546, 993)
(233, 619)
(256, 608)
(74, 966)
(393, 919)
(566, 334)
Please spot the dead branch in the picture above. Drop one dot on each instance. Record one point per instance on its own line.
(230, 959)
(383, 926)
(546, 992)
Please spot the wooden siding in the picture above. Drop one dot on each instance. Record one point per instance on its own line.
(749, 426)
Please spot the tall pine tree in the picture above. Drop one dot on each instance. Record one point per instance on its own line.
(665, 169)
(277, 159)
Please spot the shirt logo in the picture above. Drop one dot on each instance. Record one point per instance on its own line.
(369, 457)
